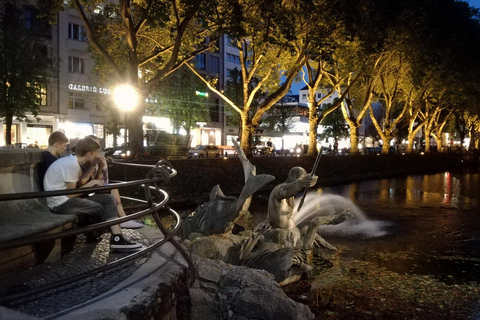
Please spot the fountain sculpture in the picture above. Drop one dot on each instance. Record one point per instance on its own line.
(277, 245)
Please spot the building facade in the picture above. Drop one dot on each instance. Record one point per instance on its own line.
(71, 97)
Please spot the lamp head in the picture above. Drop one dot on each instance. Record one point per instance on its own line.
(125, 97)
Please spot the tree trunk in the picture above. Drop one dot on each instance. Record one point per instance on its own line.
(410, 139)
(471, 135)
(354, 140)
(246, 137)
(439, 141)
(313, 123)
(135, 129)
(386, 143)
(8, 132)
(427, 141)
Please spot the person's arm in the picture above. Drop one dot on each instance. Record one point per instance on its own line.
(92, 172)
(102, 167)
(73, 185)
(292, 188)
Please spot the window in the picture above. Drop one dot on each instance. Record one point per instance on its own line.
(214, 64)
(76, 32)
(41, 94)
(304, 96)
(28, 19)
(214, 113)
(76, 65)
(35, 24)
(230, 42)
(200, 61)
(233, 58)
(76, 100)
(319, 95)
(228, 72)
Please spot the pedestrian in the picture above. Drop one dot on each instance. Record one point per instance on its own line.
(64, 174)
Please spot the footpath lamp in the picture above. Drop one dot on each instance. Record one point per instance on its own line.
(126, 99)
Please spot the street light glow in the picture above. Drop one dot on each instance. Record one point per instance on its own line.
(125, 97)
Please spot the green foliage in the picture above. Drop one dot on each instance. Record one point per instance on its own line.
(25, 67)
(179, 102)
(334, 125)
(279, 118)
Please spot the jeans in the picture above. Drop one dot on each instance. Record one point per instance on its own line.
(101, 206)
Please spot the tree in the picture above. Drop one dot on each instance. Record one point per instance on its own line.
(388, 92)
(268, 43)
(334, 125)
(25, 68)
(361, 56)
(142, 42)
(179, 100)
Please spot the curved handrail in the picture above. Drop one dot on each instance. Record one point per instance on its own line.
(153, 210)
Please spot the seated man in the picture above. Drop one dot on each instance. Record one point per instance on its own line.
(97, 169)
(57, 144)
(64, 174)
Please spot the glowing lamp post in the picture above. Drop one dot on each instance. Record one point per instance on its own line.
(126, 99)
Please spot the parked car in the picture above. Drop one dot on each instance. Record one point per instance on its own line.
(120, 154)
(202, 151)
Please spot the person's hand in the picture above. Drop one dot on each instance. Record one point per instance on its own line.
(97, 182)
(100, 161)
(308, 180)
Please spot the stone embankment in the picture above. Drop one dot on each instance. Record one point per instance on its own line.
(197, 177)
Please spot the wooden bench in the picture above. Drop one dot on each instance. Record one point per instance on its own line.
(23, 218)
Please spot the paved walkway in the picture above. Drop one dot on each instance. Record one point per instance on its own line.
(110, 295)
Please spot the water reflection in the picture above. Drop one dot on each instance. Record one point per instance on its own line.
(444, 189)
(431, 224)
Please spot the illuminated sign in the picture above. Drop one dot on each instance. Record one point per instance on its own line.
(85, 88)
(201, 93)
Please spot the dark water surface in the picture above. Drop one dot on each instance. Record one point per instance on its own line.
(422, 224)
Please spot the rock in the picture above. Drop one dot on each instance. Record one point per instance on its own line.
(216, 247)
(224, 291)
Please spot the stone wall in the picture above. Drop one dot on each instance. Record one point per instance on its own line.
(197, 177)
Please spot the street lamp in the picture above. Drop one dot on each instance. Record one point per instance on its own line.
(126, 99)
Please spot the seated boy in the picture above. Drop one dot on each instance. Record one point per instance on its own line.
(64, 174)
(97, 169)
(57, 144)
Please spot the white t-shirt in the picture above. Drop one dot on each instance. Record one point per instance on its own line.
(61, 172)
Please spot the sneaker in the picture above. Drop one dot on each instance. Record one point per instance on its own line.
(131, 225)
(117, 241)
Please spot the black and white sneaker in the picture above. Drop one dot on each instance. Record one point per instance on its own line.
(118, 242)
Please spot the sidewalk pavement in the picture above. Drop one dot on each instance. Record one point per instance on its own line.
(139, 289)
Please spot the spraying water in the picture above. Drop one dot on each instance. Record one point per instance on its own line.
(328, 204)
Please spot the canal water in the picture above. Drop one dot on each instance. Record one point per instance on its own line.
(421, 224)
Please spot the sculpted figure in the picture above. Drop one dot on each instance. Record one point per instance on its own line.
(218, 215)
(281, 206)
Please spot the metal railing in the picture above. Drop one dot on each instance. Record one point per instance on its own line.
(159, 174)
